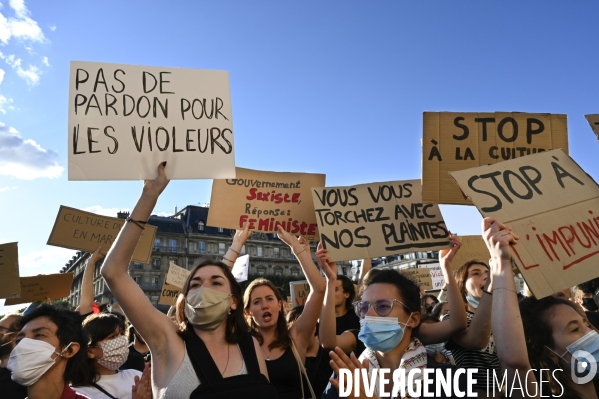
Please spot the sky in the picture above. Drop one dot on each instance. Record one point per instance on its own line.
(336, 87)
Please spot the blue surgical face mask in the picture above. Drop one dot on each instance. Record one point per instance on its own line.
(381, 334)
(434, 349)
(588, 343)
(472, 300)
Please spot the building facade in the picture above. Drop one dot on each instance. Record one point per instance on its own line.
(184, 239)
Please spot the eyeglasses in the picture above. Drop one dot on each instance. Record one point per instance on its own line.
(382, 307)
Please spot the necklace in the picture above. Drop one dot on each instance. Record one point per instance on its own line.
(227, 364)
(268, 354)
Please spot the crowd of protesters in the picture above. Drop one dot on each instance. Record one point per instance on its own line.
(225, 342)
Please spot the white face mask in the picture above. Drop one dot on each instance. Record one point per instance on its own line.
(115, 352)
(30, 359)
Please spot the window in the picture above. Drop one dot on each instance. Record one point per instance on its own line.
(156, 262)
(277, 253)
(259, 251)
(156, 243)
(220, 230)
(193, 246)
(201, 226)
(172, 245)
(137, 265)
(156, 280)
(294, 272)
(221, 248)
(201, 247)
(212, 247)
(261, 272)
(137, 279)
(278, 271)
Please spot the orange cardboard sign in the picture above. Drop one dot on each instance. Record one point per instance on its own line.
(9, 270)
(38, 288)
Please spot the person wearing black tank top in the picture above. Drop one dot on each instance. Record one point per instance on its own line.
(264, 311)
(220, 327)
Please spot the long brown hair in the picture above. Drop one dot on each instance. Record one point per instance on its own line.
(236, 326)
(462, 275)
(282, 340)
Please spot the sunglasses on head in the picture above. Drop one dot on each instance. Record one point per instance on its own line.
(382, 307)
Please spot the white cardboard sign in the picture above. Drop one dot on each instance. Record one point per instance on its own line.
(240, 268)
(126, 119)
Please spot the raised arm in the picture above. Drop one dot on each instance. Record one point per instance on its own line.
(364, 268)
(328, 322)
(154, 326)
(303, 328)
(508, 331)
(445, 330)
(239, 240)
(87, 282)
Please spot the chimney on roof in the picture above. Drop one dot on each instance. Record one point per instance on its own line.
(175, 209)
(122, 215)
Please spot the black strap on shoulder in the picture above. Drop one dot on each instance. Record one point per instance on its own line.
(248, 351)
(99, 388)
(206, 369)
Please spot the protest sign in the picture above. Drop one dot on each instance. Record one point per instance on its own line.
(169, 294)
(266, 200)
(288, 305)
(378, 219)
(299, 292)
(84, 231)
(593, 120)
(9, 270)
(173, 283)
(176, 275)
(460, 140)
(126, 119)
(473, 248)
(421, 276)
(437, 279)
(241, 268)
(38, 288)
(553, 205)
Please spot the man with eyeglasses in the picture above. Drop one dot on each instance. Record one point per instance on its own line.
(9, 327)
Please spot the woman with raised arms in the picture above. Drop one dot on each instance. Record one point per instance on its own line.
(210, 346)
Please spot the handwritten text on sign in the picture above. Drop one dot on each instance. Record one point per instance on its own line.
(266, 200)
(553, 205)
(38, 288)
(9, 270)
(371, 220)
(461, 140)
(299, 292)
(126, 119)
(84, 231)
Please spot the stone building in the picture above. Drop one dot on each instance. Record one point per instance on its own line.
(183, 239)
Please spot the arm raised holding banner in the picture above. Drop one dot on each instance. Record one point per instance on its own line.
(239, 240)
(440, 332)
(87, 282)
(328, 322)
(302, 329)
(158, 331)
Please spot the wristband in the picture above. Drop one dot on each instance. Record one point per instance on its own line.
(228, 260)
(231, 248)
(487, 292)
(138, 223)
(296, 254)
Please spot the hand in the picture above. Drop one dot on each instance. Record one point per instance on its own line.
(241, 236)
(304, 243)
(329, 268)
(339, 360)
(291, 240)
(95, 257)
(447, 254)
(498, 238)
(157, 186)
(143, 387)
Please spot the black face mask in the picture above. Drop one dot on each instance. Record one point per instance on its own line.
(589, 304)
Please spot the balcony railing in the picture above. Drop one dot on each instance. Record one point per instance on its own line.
(150, 286)
(170, 250)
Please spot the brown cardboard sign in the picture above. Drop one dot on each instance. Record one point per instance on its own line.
(473, 248)
(169, 294)
(421, 276)
(9, 270)
(38, 288)
(177, 275)
(84, 231)
(593, 120)
(553, 205)
(299, 292)
(460, 140)
(266, 200)
(377, 219)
